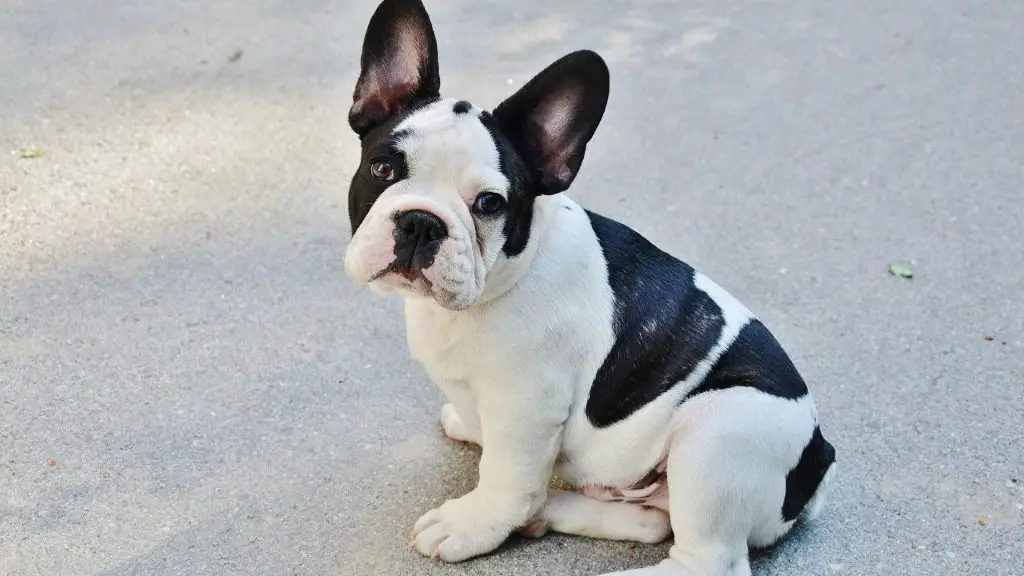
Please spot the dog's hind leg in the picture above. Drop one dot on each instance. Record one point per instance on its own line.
(576, 514)
(728, 462)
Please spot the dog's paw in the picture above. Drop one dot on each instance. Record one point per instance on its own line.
(458, 530)
(455, 428)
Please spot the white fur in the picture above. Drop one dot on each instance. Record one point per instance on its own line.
(574, 513)
(515, 346)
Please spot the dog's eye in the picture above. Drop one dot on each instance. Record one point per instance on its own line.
(488, 203)
(382, 170)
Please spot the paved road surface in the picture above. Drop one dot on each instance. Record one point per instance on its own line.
(190, 385)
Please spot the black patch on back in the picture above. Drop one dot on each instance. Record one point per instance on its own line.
(803, 480)
(756, 360)
(519, 209)
(649, 286)
(461, 107)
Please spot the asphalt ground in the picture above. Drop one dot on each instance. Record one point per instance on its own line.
(190, 385)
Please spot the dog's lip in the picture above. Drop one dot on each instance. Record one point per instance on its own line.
(409, 274)
(412, 278)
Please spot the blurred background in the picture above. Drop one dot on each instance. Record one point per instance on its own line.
(190, 385)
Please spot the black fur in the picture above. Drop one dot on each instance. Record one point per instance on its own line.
(535, 157)
(377, 109)
(756, 360)
(803, 480)
(652, 286)
(462, 107)
(364, 189)
(649, 286)
(519, 209)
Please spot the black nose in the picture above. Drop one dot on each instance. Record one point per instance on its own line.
(418, 236)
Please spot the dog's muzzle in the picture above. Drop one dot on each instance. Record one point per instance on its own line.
(418, 237)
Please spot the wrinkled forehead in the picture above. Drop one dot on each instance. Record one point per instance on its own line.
(452, 141)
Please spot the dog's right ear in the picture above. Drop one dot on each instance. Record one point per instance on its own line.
(398, 66)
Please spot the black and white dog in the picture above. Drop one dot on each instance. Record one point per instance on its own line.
(565, 342)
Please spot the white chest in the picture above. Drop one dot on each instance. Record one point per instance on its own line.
(543, 340)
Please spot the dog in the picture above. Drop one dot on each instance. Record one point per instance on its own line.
(566, 344)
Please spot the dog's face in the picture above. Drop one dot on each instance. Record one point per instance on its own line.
(431, 206)
(444, 194)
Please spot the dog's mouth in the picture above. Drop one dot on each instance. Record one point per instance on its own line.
(410, 274)
(412, 281)
(398, 278)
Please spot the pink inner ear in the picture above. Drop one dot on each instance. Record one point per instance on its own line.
(388, 82)
(556, 138)
(385, 101)
(556, 116)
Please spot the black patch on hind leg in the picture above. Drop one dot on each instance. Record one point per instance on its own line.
(803, 480)
(664, 325)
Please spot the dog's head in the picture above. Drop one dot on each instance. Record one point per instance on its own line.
(444, 195)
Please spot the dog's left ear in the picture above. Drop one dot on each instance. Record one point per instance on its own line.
(398, 64)
(551, 119)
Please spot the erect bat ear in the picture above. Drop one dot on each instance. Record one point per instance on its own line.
(398, 65)
(551, 119)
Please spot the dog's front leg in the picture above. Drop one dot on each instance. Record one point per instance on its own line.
(520, 443)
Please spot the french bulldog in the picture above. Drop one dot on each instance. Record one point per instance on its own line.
(566, 344)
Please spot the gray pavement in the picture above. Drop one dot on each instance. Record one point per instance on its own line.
(190, 385)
